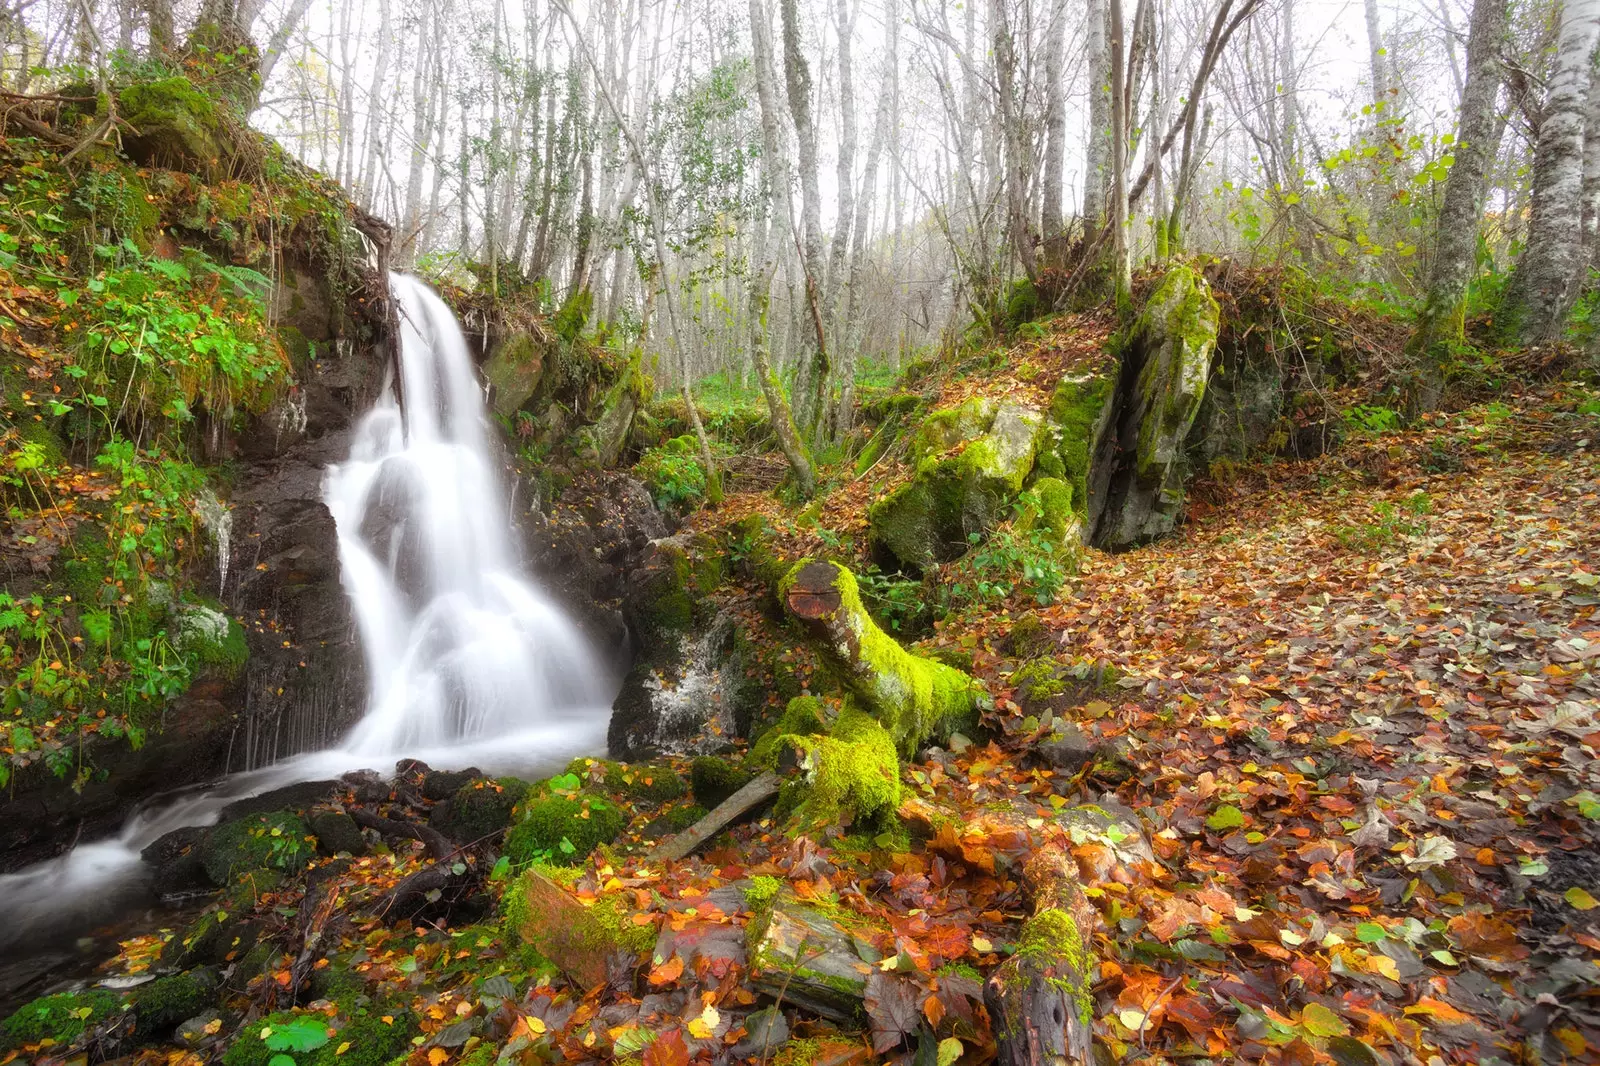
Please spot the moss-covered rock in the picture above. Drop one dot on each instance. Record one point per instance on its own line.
(216, 641)
(667, 593)
(367, 1039)
(1140, 468)
(60, 1018)
(277, 840)
(178, 125)
(1079, 410)
(479, 809)
(970, 461)
(165, 1002)
(1029, 637)
(915, 698)
(583, 822)
(513, 371)
(652, 783)
(544, 915)
(713, 779)
(336, 832)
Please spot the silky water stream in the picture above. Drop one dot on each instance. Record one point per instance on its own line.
(469, 664)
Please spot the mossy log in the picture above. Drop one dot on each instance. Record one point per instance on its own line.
(807, 958)
(1038, 1000)
(916, 699)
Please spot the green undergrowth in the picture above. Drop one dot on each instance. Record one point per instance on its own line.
(137, 317)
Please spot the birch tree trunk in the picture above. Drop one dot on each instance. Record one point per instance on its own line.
(1010, 107)
(1122, 268)
(1545, 280)
(1055, 132)
(1456, 242)
(1097, 161)
(776, 165)
(812, 378)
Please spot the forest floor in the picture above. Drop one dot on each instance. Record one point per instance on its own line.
(1352, 705)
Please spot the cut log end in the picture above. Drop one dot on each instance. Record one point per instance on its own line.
(814, 593)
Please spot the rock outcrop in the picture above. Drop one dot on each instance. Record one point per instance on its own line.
(1137, 476)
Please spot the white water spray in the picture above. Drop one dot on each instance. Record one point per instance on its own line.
(469, 663)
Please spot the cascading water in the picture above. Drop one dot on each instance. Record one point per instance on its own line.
(469, 663)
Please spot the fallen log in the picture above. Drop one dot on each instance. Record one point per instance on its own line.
(439, 846)
(804, 957)
(755, 792)
(915, 698)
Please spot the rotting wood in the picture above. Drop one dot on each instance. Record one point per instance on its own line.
(757, 791)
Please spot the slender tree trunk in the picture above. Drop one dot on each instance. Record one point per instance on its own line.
(279, 39)
(1122, 268)
(1455, 254)
(812, 379)
(1055, 132)
(776, 165)
(1545, 280)
(1097, 163)
(1010, 107)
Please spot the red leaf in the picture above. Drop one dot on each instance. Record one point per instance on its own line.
(668, 1050)
(893, 1006)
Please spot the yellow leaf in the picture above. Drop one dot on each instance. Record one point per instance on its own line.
(1131, 1019)
(1384, 966)
(982, 945)
(1581, 899)
(437, 1056)
(342, 1048)
(537, 1025)
(705, 1026)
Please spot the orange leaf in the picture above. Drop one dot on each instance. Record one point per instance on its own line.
(668, 1050)
(1439, 1009)
(668, 972)
(437, 1056)
(933, 1010)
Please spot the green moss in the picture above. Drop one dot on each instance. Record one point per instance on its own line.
(605, 926)
(753, 547)
(1037, 680)
(713, 779)
(852, 774)
(805, 1052)
(176, 122)
(654, 783)
(1076, 410)
(802, 717)
(762, 891)
(915, 698)
(680, 818)
(480, 808)
(214, 640)
(278, 840)
(371, 1040)
(167, 1001)
(1029, 637)
(584, 822)
(61, 1018)
(1053, 935)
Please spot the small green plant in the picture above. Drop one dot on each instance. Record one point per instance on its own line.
(1370, 420)
(1390, 524)
(673, 473)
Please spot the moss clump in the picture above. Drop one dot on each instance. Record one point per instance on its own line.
(1029, 637)
(60, 1018)
(1037, 681)
(480, 808)
(798, 1053)
(802, 717)
(371, 1040)
(278, 840)
(680, 818)
(753, 547)
(177, 123)
(654, 783)
(762, 891)
(714, 779)
(604, 926)
(584, 822)
(915, 698)
(214, 640)
(852, 775)
(1052, 939)
(1047, 505)
(167, 1001)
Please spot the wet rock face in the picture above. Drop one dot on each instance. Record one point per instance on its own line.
(1137, 479)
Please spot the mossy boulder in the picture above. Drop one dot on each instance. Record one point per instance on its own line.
(513, 370)
(165, 1002)
(367, 1039)
(567, 826)
(713, 779)
(970, 461)
(214, 639)
(1079, 411)
(177, 125)
(479, 809)
(915, 698)
(1137, 487)
(650, 783)
(542, 913)
(276, 840)
(603, 442)
(667, 593)
(60, 1018)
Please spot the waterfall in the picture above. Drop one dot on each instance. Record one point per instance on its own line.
(469, 663)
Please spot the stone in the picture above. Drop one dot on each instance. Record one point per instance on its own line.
(514, 369)
(197, 1031)
(442, 784)
(971, 460)
(336, 832)
(1066, 749)
(1137, 481)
